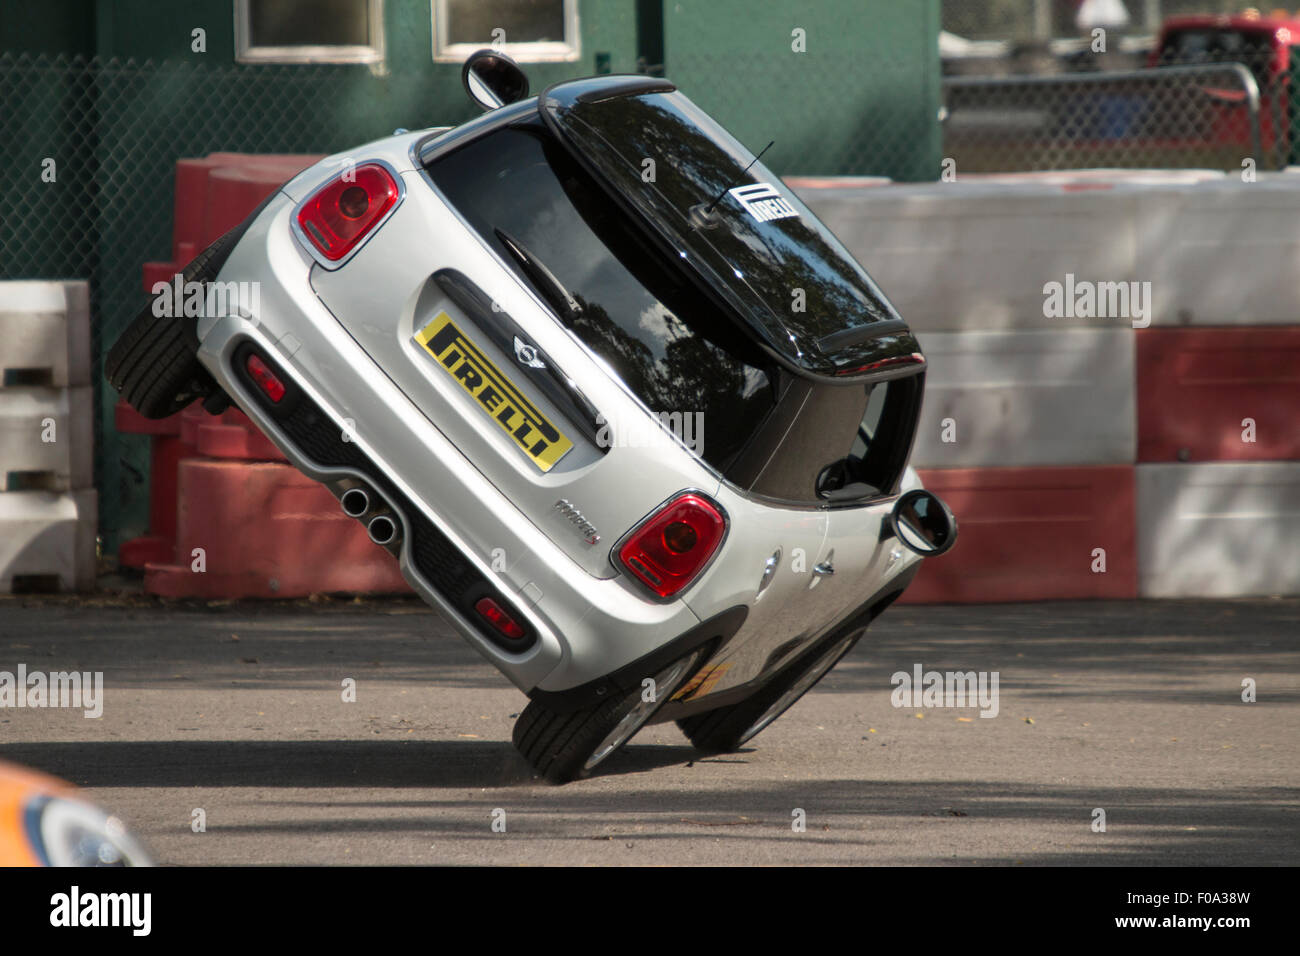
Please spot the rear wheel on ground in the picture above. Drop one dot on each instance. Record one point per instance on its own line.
(567, 746)
(154, 363)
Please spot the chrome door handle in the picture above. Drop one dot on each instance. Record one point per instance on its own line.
(769, 569)
(825, 569)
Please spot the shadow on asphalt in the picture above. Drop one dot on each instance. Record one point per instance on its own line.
(1147, 825)
(1173, 647)
(1184, 651)
(315, 763)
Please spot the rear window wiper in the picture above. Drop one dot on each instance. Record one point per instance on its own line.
(551, 288)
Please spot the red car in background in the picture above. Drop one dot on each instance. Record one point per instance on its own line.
(1264, 45)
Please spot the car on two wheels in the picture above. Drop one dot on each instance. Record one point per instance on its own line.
(628, 415)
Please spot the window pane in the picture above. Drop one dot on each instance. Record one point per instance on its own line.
(753, 260)
(309, 22)
(833, 443)
(525, 21)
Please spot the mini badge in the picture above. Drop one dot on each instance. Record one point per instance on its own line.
(525, 354)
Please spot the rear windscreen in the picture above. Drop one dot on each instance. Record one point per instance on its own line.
(669, 344)
(733, 221)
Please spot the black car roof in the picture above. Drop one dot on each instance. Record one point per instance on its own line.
(734, 224)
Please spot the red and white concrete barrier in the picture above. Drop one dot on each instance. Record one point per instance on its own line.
(229, 517)
(1151, 450)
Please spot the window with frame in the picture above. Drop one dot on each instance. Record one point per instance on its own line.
(530, 31)
(309, 31)
(833, 445)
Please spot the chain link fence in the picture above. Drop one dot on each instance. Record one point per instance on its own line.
(1175, 117)
(1025, 20)
(864, 120)
(89, 146)
(1038, 85)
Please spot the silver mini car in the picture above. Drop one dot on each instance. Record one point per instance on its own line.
(627, 413)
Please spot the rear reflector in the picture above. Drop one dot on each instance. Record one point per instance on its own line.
(668, 550)
(499, 618)
(915, 358)
(266, 380)
(339, 215)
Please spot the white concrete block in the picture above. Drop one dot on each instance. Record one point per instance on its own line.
(955, 256)
(45, 328)
(977, 253)
(47, 436)
(1219, 529)
(1222, 253)
(1064, 397)
(48, 536)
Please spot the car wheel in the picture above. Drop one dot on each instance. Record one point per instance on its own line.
(567, 746)
(154, 364)
(728, 728)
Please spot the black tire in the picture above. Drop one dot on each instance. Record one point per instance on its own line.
(726, 729)
(567, 746)
(153, 363)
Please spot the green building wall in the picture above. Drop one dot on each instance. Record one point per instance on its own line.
(862, 98)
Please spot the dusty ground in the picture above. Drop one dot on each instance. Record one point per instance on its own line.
(1131, 707)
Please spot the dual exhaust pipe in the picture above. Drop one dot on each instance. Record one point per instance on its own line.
(380, 523)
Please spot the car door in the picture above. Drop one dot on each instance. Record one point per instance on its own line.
(856, 561)
(776, 548)
(857, 449)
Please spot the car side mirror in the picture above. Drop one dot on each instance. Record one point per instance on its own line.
(923, 523)
(492, 79)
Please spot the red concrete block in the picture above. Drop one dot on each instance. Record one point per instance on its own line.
(1196, 386)
(127, 419)
(214, 194)
(189, 203)
(166, 449)
(234, 190)
(266, 530)
(1029, 534)
(228, 435)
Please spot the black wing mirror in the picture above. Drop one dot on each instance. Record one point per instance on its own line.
(923, 523)
(492, 79)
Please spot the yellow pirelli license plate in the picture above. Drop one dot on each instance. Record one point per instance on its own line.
(493, 392)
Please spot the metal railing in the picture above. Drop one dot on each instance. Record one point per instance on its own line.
(1167, 117)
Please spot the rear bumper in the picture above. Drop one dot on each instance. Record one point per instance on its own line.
(459, 531)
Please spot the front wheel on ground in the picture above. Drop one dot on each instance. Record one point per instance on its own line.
(728, 728)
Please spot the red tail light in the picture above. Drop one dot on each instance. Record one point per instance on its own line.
(669, 549)
(266, 380)
(915, 358)
(339, 215)
(499, 617)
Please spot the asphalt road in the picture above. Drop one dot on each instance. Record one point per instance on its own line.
(1133, 707)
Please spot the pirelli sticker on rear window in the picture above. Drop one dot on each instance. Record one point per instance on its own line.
(495, 394)
(763, 201)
